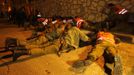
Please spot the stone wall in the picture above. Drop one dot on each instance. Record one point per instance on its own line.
(92, 10)
(48, 8)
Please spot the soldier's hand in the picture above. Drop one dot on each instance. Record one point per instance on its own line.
(78, 64)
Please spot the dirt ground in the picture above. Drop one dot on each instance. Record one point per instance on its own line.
(52, 64)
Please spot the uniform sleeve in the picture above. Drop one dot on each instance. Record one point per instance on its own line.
(49, 37)
(97, 52)
(83, 36)
(112, 50)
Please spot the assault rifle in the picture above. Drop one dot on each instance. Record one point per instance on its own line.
(11, 44)
(35, 36)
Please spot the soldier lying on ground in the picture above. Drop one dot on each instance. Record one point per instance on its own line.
(40, 39)
(69, 41)
(106, 47)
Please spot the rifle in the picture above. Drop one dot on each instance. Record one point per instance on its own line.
(32, 37)
(11, 44)
(61, 37)
(36, 35)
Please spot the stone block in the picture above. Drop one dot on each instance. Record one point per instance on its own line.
(87, 10)
(92, 8)
(88, 3)
(69, 1)
(101, 3)
(96, 0)
(84, 4)
(79, 2)
(83, 1)
(72, 11)
(106, 0)
(74, 2)
(85, 16)
(100, 17)
(94, 4)
(75, 6)
(99, 9)
(61, 3)
(125, 3)
(65, 8)
(78, 10)
(69, 6)
(91, 17)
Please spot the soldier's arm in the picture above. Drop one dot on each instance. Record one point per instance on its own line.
(83, 36)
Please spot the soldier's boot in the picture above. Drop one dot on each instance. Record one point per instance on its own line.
(18, 53)
(78, 67)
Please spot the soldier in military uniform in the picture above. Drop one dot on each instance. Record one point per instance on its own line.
(69, 40)
(106, 47)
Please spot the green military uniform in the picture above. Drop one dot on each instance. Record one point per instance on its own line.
(105, 47)
(74, 35)
(71, 39)
(51, 46)
(101, 47)
(38, 40)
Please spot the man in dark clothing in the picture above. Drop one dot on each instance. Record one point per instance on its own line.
(21, 17)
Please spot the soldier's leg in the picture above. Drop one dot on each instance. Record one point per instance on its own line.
(100, 61)
(41, 40)
(51, 49)
(109, 60)
(46, 50)
(38, 40)
(37, 51)
(97, 51)
(28, 50)
(17, 53)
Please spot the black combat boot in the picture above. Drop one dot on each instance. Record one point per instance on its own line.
(18, 53)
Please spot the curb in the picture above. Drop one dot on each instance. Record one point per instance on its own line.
(125, 37)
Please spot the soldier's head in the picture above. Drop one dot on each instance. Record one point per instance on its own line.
(110, 5)
(104, 29)
(68, 26)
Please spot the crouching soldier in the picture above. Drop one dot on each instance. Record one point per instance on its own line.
(106, 47)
